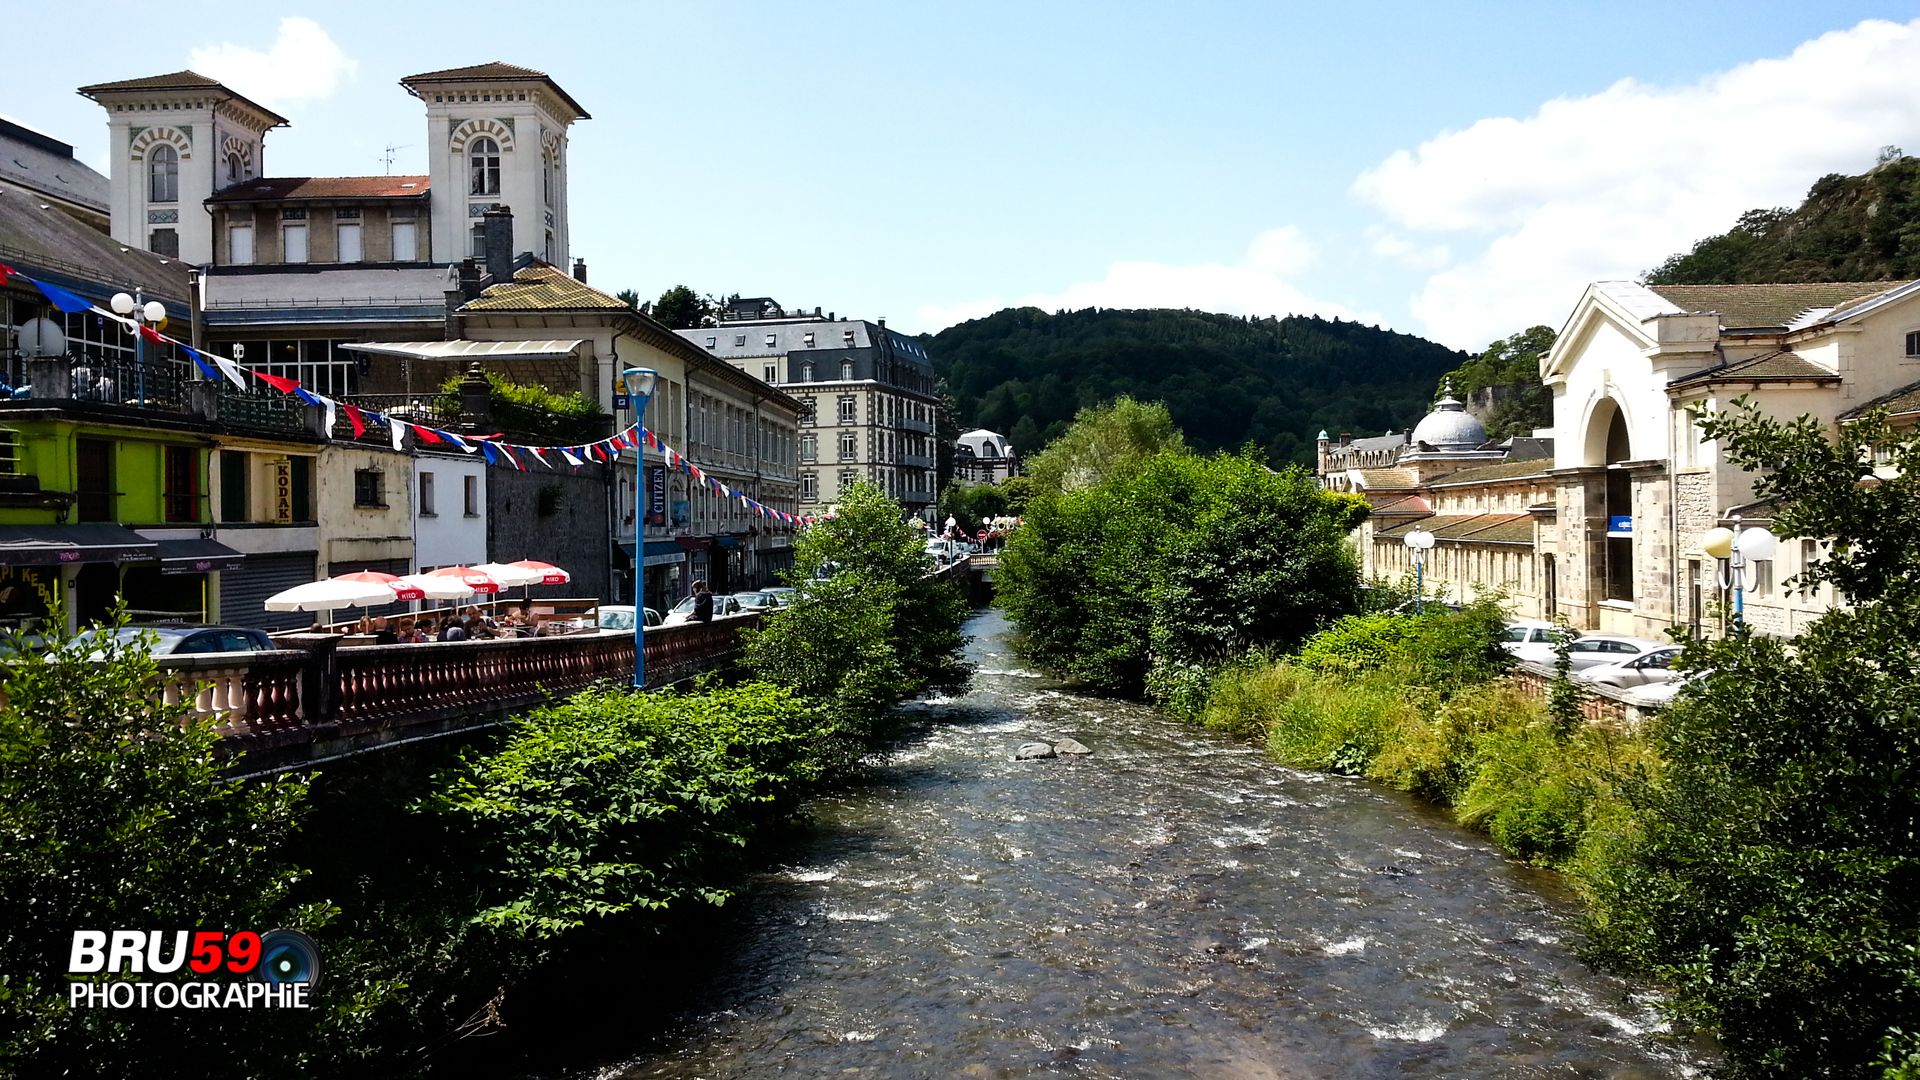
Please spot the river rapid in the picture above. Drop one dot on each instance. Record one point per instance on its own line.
(1174, 905)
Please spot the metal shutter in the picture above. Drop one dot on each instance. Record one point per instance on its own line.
(244, 592)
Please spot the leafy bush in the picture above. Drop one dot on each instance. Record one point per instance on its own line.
(612, 802)
(1436, 648)
(114, 813)
(1242, 697)
(529, 410)
(1337, 724)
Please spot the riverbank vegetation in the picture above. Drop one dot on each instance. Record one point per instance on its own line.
(449, 896)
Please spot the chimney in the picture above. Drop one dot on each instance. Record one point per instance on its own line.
(469, 280)
(1346, 438)
(830, 316)
(883, 322)
(580, 271)
(498, 223)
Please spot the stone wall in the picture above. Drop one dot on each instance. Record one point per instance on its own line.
(557, 516)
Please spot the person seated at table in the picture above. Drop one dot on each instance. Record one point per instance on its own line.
(382, 633)
(452, 630)
(425, 630)
(479, 629)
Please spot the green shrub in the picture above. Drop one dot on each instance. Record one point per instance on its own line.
(1337, 724)
(1242, 698)
(1436, 648)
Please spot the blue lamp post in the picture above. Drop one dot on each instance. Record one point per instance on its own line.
(639, 388)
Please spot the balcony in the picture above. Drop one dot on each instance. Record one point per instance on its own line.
(916, 461)
(920, 426)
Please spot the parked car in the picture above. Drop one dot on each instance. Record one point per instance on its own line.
(620, 617)
(174, 640)
(1652, 666)
(755, 601)
(1532, 639)
(782, 595)
(1592, 650)
(723, 605)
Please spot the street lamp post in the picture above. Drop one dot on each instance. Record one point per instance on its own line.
(1419, 542)
(1737, 547)
(143, 313)
(639, 383)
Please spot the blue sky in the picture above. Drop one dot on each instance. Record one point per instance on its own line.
(1456, 170)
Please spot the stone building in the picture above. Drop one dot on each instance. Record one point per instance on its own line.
(868, 397)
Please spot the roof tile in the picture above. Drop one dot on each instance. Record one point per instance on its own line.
(278, 188)
(1904, 400)
(1769, 305)
(1486, 528)
(494, 71)
(1506, 470)
(544, 288)
(1779, 364)
(178, 80)
(1386, 479)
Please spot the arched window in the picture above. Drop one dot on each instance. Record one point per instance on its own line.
(483, 160)
(548, 176)
(846, 369)
(234, 175)
(163, 169)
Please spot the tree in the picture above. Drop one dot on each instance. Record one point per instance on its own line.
(1104, 441)
(1510, 370)
(972, 504)
(1769, 874)
(869, 628)
(628, 297)
(115, 814)
(680, 308)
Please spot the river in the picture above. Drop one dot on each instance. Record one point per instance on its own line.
(1174, 905)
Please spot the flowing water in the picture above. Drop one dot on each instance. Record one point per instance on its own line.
(1174, 905)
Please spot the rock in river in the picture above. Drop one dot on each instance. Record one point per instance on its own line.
(1033, 750)
(1070, 746)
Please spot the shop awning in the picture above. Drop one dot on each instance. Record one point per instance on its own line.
(470, 350)
(197, 557)
(59, 545)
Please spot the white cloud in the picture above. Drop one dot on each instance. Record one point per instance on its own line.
(302, 64)
(1395, 247)
(1608, 185)
(1256, 285)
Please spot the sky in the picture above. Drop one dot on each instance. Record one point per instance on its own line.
(1455, 170)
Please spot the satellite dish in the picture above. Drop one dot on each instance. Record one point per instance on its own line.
(42, 337)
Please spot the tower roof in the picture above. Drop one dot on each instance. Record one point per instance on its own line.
(493, 71)
(179, 80)
(1449, 427)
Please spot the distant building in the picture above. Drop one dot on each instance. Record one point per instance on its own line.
(984, 457)
(868, 396)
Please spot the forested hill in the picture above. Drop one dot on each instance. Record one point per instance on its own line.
(1850, 228)
(1225, 379)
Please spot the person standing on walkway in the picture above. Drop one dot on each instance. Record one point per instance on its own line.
(702, 603)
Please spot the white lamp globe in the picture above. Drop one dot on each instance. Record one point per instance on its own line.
(1756, 544)
(122, 303)
(155, 311)
(640, 381)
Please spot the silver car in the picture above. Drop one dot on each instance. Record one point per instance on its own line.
(1650, 667)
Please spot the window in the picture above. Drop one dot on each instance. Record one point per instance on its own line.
(163, 174)
(712, 341)
(1913, 343)
(234, 175)
(366, 488)
(846, 480)
(93, 461)
(240, 245)
(550, 255)
(809, 487)
(294, 243)
(849, 409)
(548, 167)
(739, 340)
(848, 446)
(164, 242)
(483, 167)
(771, 373)
(806, 371)
(405, 243)
(809, 339)
(347, 213)
(806, 411)
(477, 245)
(846, 369)
(426, 495)
(1762, 577)
(303, 489)
(182, 495)
(472, 493)
(233, 485)
(349, 242)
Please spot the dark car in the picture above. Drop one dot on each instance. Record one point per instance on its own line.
(170, 640)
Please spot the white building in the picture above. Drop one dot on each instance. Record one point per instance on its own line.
(449, 510)
(984, 457)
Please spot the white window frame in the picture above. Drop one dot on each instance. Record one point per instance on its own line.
(426, 495)
(410, 250)
(287, 234)
(240, 253)
(342, 250)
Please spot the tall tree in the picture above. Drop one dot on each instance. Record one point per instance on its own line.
(1104, 441)
(628, 297)
(680, 308)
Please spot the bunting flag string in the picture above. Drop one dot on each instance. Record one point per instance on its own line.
(213, 367)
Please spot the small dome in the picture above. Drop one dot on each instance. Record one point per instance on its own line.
(1449, 426)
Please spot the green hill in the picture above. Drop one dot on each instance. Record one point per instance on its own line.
(1226, 380)
(1850, 228)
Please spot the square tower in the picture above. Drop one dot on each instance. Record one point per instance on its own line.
(175, 140)
(497, 135)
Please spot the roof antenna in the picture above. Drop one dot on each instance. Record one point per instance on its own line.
(387, 156)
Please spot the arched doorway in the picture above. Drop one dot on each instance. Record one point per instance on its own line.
(1617, 449)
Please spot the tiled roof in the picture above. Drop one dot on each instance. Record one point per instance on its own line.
(46, 164)
(544, 288)
(177, 80)
(1780, 364)
(1485, 528)
(1765, 306)
(1506, 470)
(1386, 479)
(1405, 504)
(494, 71)
(279, 188)
(1899, 402)
(40, 239)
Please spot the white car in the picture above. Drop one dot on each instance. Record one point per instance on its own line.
(620, 617)
(1652, 666)
(1593, 650)
(1532, 639)
(723, 605)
